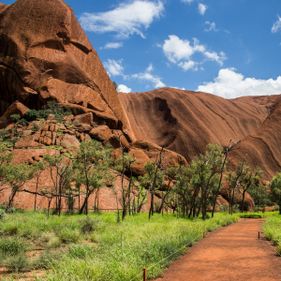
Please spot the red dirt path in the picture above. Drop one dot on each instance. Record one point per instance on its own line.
(232, 253)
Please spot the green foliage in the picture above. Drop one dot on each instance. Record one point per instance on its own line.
(91, 168)
(15, 118)
(68, 236)
(251, 216)
(88, 225)
(11, 246)
(51, 108)
(117, 251)
(260, 195)
(272, 231)
(17, 263)
(275, 188)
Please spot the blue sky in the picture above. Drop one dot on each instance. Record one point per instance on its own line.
(228, 47)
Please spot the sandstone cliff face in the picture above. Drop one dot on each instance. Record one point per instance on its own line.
(186, 122)
(45, 55)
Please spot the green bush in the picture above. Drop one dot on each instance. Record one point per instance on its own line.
(46, 260)
(80, 251)
(88, 225)
(17, 263)
(251, 216)
(11, 246)
(68, 235)
(2, 214)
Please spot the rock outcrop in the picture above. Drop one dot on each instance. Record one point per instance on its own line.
(45, 55)
(186, 122)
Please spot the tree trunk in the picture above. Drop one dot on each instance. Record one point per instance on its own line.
(11, 199)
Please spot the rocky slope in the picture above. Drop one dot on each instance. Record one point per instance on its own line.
(46, 56)
(186, 122)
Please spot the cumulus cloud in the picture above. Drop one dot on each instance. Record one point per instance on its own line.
(131, 17)
(202, 8)
(123, 89)
(276, 26)
(181, 51)
(231, 84)
(150, 77)
(114, 67)
(113, 45)
(210, 26)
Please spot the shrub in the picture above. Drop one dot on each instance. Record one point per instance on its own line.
(11, 246)
(17, 263)
(2, 214)
(251, 216)
(88, 225)
(80, 251)
(46, 260)
(68, 235)
(10, 230)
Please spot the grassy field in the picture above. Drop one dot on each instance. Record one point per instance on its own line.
(272, 230)
(96, 247)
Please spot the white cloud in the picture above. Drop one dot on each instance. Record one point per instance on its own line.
(202, 8)
(187, 1)
(114, 67)
(210, 26)
(113, 45)
(123, 89)
(180, 51)
(148, 76)
(131, 17)
(277, 25)
(231, 84)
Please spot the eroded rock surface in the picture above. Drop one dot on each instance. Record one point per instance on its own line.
(45, 55)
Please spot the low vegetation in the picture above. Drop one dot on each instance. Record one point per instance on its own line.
(272, 231)
(95, 247)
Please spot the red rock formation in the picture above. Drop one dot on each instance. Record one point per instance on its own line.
(45, 54)
(186, 122)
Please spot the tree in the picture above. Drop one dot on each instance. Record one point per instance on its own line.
(5, 159)
(123, 165)
(249, 179)
(152, 180)
(234, 178)
(275, 188)
(61, 172)
(16, 175)
(225, 151)
(260, 195)
(183, 191)
(92, 166)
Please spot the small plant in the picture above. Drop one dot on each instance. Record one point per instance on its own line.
(80, 251)
(251, 216)
(46, 260)
(11, 246)
(88, 225)
(68, 236)
(15, 118)
(2, 214)
(17, 263)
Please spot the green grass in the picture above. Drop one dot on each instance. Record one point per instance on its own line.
(272, 231)
(97, 248)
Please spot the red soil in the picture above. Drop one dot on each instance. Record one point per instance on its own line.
(233, 253)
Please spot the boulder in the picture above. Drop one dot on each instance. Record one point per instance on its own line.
(141, 159)
(15, 108)
(70, 142)
(101, 133)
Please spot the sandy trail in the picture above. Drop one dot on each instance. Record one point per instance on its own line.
(233, 253)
